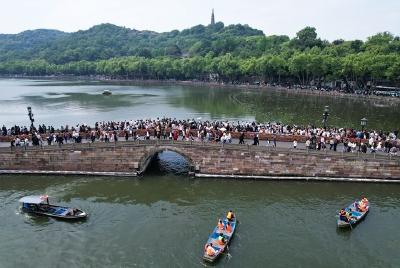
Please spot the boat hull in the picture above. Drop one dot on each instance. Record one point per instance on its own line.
(358, 216)
(213, 239)
(58, 212)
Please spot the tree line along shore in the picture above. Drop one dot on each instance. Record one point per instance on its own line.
(234, 54)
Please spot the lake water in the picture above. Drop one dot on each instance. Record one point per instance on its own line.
(164, 218)
(72, 102)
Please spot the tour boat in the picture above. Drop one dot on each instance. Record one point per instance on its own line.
(356, 216)
(107, 92)
(213, 238)
(40, 205)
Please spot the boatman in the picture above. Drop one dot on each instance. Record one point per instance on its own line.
(230, 215)
(343, 216)
(210, 251)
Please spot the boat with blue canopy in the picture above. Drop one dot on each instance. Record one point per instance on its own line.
(40, 205)
(353, 213)
(219, 239)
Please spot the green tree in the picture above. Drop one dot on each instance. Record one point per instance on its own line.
(306, 38)
(299, 66)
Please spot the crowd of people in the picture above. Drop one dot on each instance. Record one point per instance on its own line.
(315, 137)
(342, 89)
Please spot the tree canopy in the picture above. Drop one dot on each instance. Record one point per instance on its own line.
(234, 53)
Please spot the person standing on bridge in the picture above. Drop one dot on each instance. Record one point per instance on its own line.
(308, 143)
(93, 136)
(241, 138)
(126, 135)
(115, 135)
(256, 140)
(229, 137)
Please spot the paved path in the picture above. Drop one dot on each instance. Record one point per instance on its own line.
(279, 144)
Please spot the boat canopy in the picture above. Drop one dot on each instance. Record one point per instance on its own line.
(34, 199)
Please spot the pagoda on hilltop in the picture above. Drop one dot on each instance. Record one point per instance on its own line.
(212, 18)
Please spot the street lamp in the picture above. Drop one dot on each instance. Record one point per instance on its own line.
(364, 122)
(30, 114)
(325, 116)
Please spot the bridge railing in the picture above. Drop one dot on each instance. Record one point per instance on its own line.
(202, 144)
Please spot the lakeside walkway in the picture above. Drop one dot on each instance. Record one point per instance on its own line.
(220, 132)
(249, 143)
(281, 141)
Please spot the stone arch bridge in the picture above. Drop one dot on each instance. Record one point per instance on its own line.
(131, 158)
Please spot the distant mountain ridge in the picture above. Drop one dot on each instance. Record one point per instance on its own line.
(106, 41)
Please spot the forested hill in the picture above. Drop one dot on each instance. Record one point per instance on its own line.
(106, 41)
(234, 53)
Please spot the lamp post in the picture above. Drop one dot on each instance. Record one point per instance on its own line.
(364, 122)
(325, 116)
(30, 114)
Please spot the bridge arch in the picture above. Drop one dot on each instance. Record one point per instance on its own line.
(148, 156)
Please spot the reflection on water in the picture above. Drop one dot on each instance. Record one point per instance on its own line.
(270, 106)
(86, 100)
(72, 102)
